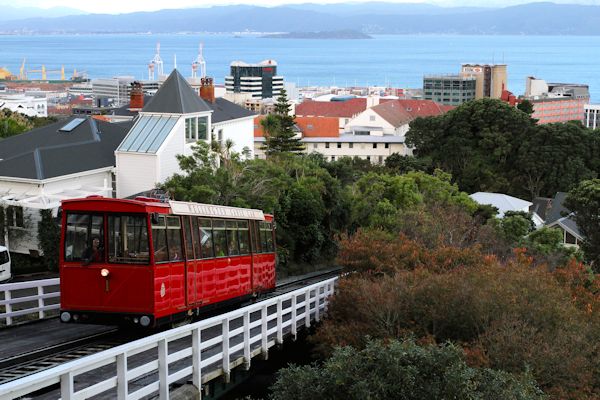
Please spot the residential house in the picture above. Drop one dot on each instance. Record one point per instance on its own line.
(39, 168)
(344, 111)
(505, 203)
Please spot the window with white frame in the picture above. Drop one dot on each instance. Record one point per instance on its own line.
(196, 129)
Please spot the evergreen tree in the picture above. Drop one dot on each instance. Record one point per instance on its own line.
(279, 129)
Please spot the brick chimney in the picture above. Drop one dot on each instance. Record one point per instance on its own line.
(207, 89)
(136, 102)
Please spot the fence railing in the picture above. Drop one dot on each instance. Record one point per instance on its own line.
(32, 299)
(197, 352)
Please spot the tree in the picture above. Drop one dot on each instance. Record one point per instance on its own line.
(553, 158)
(279, 129)
(526, 106)
(584, 201)
(477, 143)
(49, 238)
(400, 370)
(402, 164)
(13, 123)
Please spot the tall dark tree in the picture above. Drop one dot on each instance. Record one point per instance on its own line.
(526, 106)
(553, 158)
(475, 142)
(584, 201)
(279, 129)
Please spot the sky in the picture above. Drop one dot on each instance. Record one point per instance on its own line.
(120, 6)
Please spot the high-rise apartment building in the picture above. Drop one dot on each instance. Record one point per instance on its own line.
(260, 80)
(490, 79)
(450, 90)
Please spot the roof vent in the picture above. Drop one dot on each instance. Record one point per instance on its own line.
(74, 123)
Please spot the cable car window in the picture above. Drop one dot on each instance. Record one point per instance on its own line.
(189, 239)
(196, 237)
(84, 237)
(159, 240)
(256, 236)
(206, 238)
(269, 234)
(233, 248)
(244, 237)
(174, 238)
(264, 232)
(128, 239)
(220, 238)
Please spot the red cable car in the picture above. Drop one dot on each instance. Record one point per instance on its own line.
(150, 263)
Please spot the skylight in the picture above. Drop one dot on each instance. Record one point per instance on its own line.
(72, 125)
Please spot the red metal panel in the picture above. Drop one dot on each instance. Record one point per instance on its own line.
(129, 288)
(206, 281)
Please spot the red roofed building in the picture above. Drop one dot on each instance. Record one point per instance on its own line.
(343, 110)
(393, 116)
(321, 135)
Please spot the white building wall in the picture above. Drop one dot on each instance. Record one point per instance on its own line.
(240, 131)
(136, 173)
(332, 152)
(27, 105)
(372, 119)
(167, 154)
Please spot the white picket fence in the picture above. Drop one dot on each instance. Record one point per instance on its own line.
(28, 298)
(206, 350)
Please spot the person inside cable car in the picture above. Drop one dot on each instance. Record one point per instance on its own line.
(94, 253)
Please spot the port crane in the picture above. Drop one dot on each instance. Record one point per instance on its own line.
(199, 64)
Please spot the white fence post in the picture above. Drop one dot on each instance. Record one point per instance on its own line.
(8, 306)
(264, 332)
(279, 321)
(247, 357)
(67, 389)
(41, 313)
(122, 389)
(294, 317)
(318, 303)
(163, 369)
(307, 308)
(197, 359)
(225, 347)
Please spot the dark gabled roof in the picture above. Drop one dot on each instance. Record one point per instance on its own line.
(557, 210)
(568, 223)
(176, 96)
(46, 152)
(225, 110)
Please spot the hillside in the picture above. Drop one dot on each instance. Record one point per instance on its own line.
(376, 18)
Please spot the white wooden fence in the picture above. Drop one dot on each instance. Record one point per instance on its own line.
(28, 298)
(198, 352)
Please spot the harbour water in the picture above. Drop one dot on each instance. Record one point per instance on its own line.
(395, 60)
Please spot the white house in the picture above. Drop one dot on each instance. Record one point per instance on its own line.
(505, 203)
(38, 169)
(28, 105)
(175, 119)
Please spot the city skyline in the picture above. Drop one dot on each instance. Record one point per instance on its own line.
(115, 6)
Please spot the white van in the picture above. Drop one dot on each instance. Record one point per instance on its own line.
(4, 264)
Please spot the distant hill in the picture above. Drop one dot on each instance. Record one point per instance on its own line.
(12, 13)
(369, 18)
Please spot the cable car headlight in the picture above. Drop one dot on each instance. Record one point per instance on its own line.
(104, 272)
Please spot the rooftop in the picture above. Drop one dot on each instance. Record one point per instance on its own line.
(176, 96)
(339, 109)
(51, 151)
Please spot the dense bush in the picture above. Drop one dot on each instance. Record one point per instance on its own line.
(512, 317)
(403, 371)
